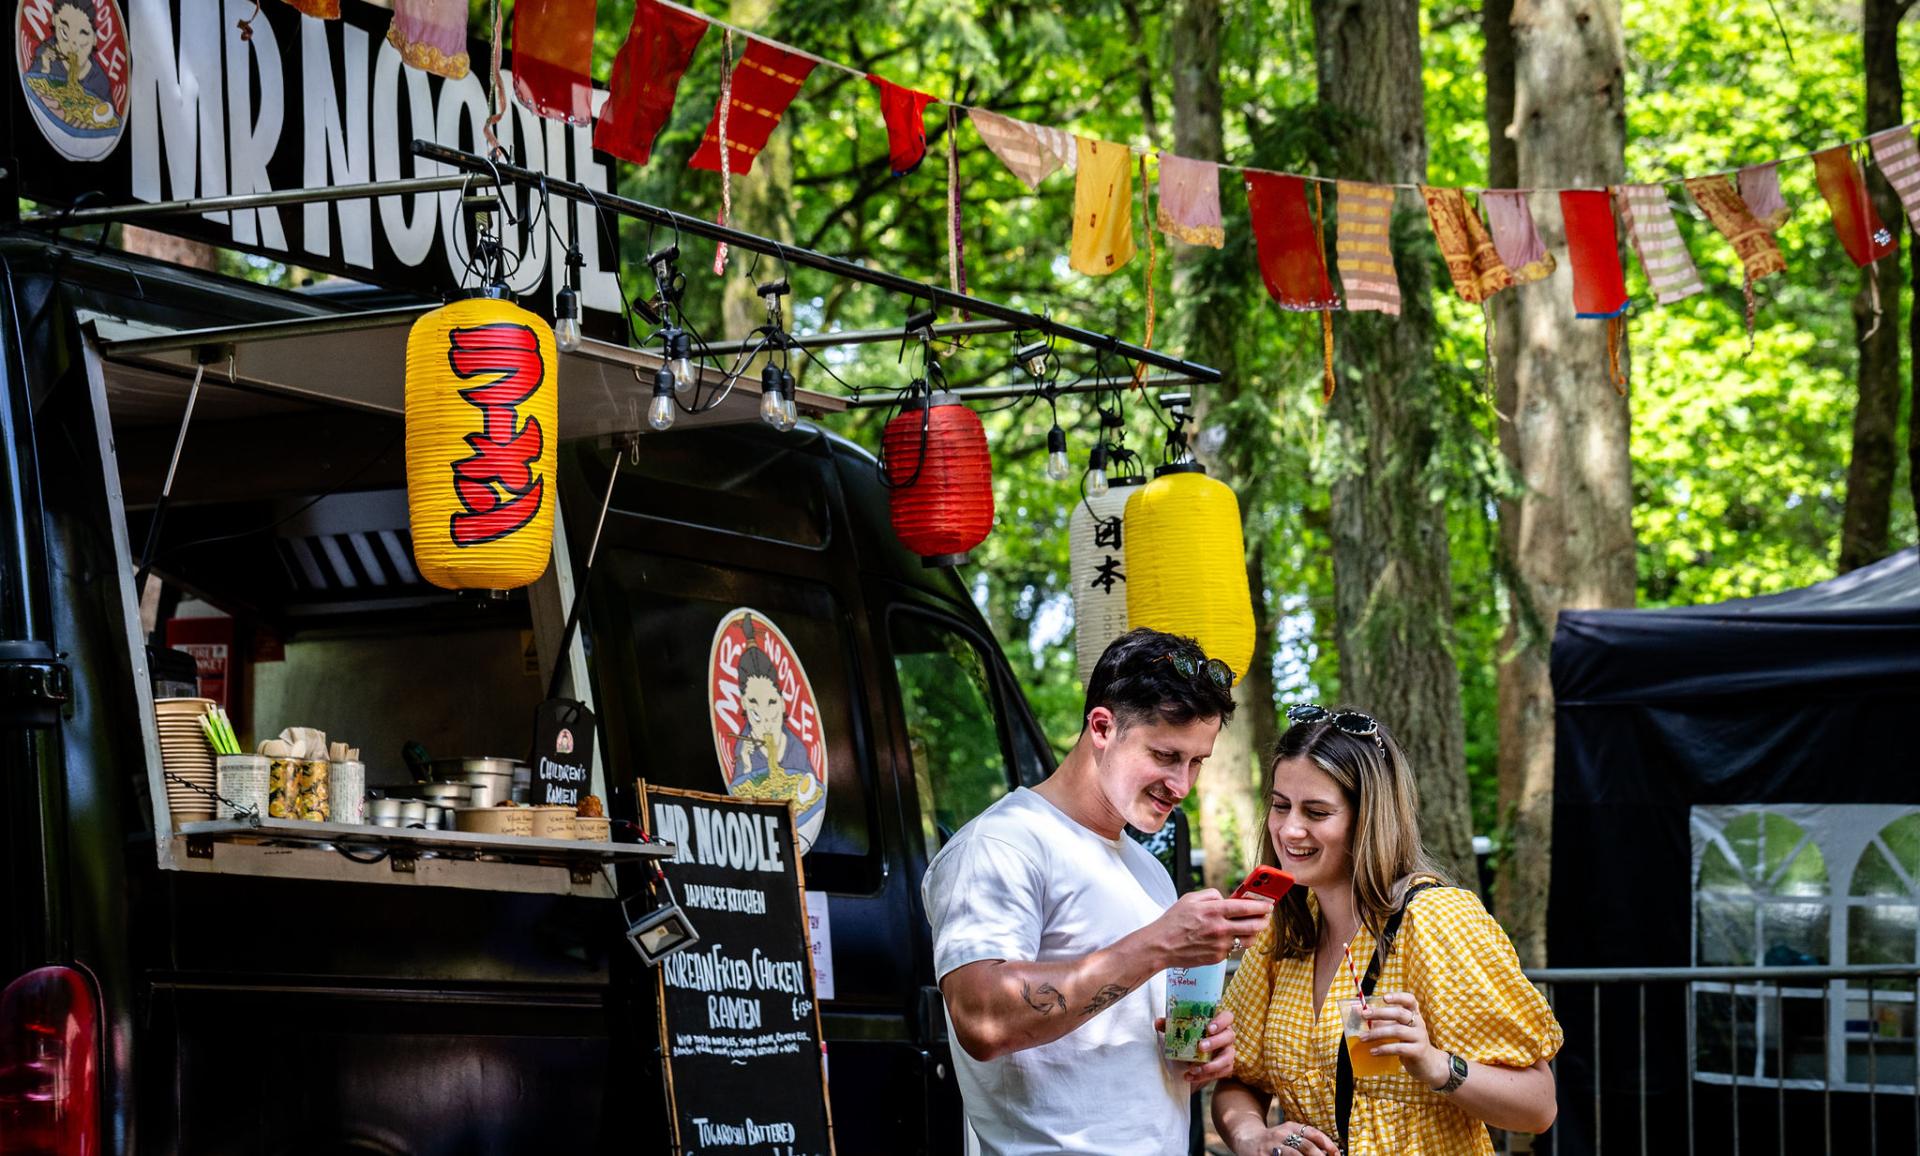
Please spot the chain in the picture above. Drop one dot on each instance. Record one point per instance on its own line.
(250, 814)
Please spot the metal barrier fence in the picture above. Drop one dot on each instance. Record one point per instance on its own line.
(1773, 1059)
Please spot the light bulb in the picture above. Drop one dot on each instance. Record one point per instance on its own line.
(1058, 467)
(680, 360)
(566, 320)
(1034, 359)
(771, 410)
(660, 410)
(1096, 482)
(789, 414)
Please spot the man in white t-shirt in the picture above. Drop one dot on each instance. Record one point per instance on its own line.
(1052, 929)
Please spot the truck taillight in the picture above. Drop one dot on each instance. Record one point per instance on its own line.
(49, 1065)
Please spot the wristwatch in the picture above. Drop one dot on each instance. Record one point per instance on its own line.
(1456, 1074)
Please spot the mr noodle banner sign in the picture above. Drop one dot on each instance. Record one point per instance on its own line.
(171, 100)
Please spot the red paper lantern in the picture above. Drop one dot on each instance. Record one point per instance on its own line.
(940, 477)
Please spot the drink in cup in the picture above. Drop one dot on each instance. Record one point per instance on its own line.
(1193, 995)
(1360, 1051)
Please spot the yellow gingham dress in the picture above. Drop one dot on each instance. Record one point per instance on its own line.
(1457, 961)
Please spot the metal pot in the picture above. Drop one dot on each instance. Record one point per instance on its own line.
(490, 778)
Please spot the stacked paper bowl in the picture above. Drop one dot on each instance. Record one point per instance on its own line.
(184, 754)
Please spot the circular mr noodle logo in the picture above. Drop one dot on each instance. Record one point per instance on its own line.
(75, 68)
(766, 722)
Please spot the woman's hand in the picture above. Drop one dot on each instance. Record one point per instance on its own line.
(1396, 1028)
(1217, 1045)
(1289, 1138)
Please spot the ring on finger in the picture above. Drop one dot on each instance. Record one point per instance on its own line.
(1297, 1141)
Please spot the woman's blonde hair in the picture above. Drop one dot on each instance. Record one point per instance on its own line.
(1384, 838)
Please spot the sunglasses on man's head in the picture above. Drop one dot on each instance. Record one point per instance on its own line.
(1191, 667)
(1347, 722)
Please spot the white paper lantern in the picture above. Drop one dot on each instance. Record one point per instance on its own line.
(1097, 569)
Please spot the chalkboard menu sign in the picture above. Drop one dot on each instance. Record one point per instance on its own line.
(739, 1025)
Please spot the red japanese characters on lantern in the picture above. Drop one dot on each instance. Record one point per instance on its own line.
(939, 473)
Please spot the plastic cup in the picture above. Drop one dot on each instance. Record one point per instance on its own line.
(1193, 995)
(1359, 1051)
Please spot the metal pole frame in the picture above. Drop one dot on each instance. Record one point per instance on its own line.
(934, 295)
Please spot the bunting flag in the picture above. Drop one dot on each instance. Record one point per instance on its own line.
(1060, 143)
(764, 83)
(1899, 162)
(1515, 237)
(646, 76)
(1102, 208)
(553, 58)
(1750, 239)
(905, 111)
(1190, 201)
(1362, 248)
(1018, 145)
(1472, 261)
(1854, 218)
(1593, 249)
(1760, 189)
(1292, 262)
(1656, 238)
(431, 35)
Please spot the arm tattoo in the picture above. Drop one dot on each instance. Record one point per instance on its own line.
(1104, 998)
(1045, 1001)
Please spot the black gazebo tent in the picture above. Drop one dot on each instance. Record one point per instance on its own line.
(1804, 697)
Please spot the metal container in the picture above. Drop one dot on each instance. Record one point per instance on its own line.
(446, 794)
(492, 778)
(384, 812)
(242, 785)
(349, 792)
(413, 813)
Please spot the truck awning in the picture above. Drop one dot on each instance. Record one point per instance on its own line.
(358, 360)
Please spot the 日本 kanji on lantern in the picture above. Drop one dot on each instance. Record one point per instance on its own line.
(1187, 565)
(1096, 553)
(482, 416)
(939, 475)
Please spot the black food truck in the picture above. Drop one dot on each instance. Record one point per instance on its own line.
(203, 500)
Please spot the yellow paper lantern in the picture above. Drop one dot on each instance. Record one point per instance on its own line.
(1187, 564)
(1096, 565)
(482, 416)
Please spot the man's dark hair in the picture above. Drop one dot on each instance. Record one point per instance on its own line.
(1136, 680)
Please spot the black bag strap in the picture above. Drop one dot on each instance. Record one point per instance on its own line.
(1343, 1066)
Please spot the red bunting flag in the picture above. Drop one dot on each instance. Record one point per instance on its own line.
(1854, 219)
(646, 76)
(905, 111)
(553, 58)
(764, 83)
(1593, 249)
(1292, 261)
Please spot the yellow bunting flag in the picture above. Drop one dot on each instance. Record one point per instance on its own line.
(1102, 208)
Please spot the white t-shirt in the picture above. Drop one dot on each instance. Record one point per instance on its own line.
(1025, 882)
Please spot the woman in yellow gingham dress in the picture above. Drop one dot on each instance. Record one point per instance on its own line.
(1472, 1036)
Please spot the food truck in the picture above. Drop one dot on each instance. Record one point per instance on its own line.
(266, 885)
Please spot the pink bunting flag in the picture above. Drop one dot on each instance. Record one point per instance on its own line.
(1899, 162)
(1515, 237)
(1190, 201)
(1656, 238)
(1019, 146)
(1760, 189)
(431, 35)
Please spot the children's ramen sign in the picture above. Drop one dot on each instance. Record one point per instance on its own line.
(74, 63)
(766, 722)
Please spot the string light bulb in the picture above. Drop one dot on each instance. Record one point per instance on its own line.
(771, 410)
(1034, 357)
(660, 410)
(789, 409)
(1097, 470)
(566, 305)
(679, 354)
(1058, 467)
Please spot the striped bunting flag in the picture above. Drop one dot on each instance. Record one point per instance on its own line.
(1361, 250)
(1656, 238)
(1899, 162)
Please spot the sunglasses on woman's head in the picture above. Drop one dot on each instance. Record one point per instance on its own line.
(1347, 722)
(1191, 667)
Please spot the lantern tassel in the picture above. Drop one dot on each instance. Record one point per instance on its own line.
(956, 240)
(726, 160)
(1326, 314)
(1140, 367)
(1616, 336)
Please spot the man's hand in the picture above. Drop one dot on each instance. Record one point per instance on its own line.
(1202, 928)
(1217, 1045)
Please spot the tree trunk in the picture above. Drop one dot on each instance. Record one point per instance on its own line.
(167, 247)
(1229, 784)
(1571, 530)
(1393, 604)
(1870, 471)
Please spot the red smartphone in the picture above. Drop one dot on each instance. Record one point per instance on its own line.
(1266, 882)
